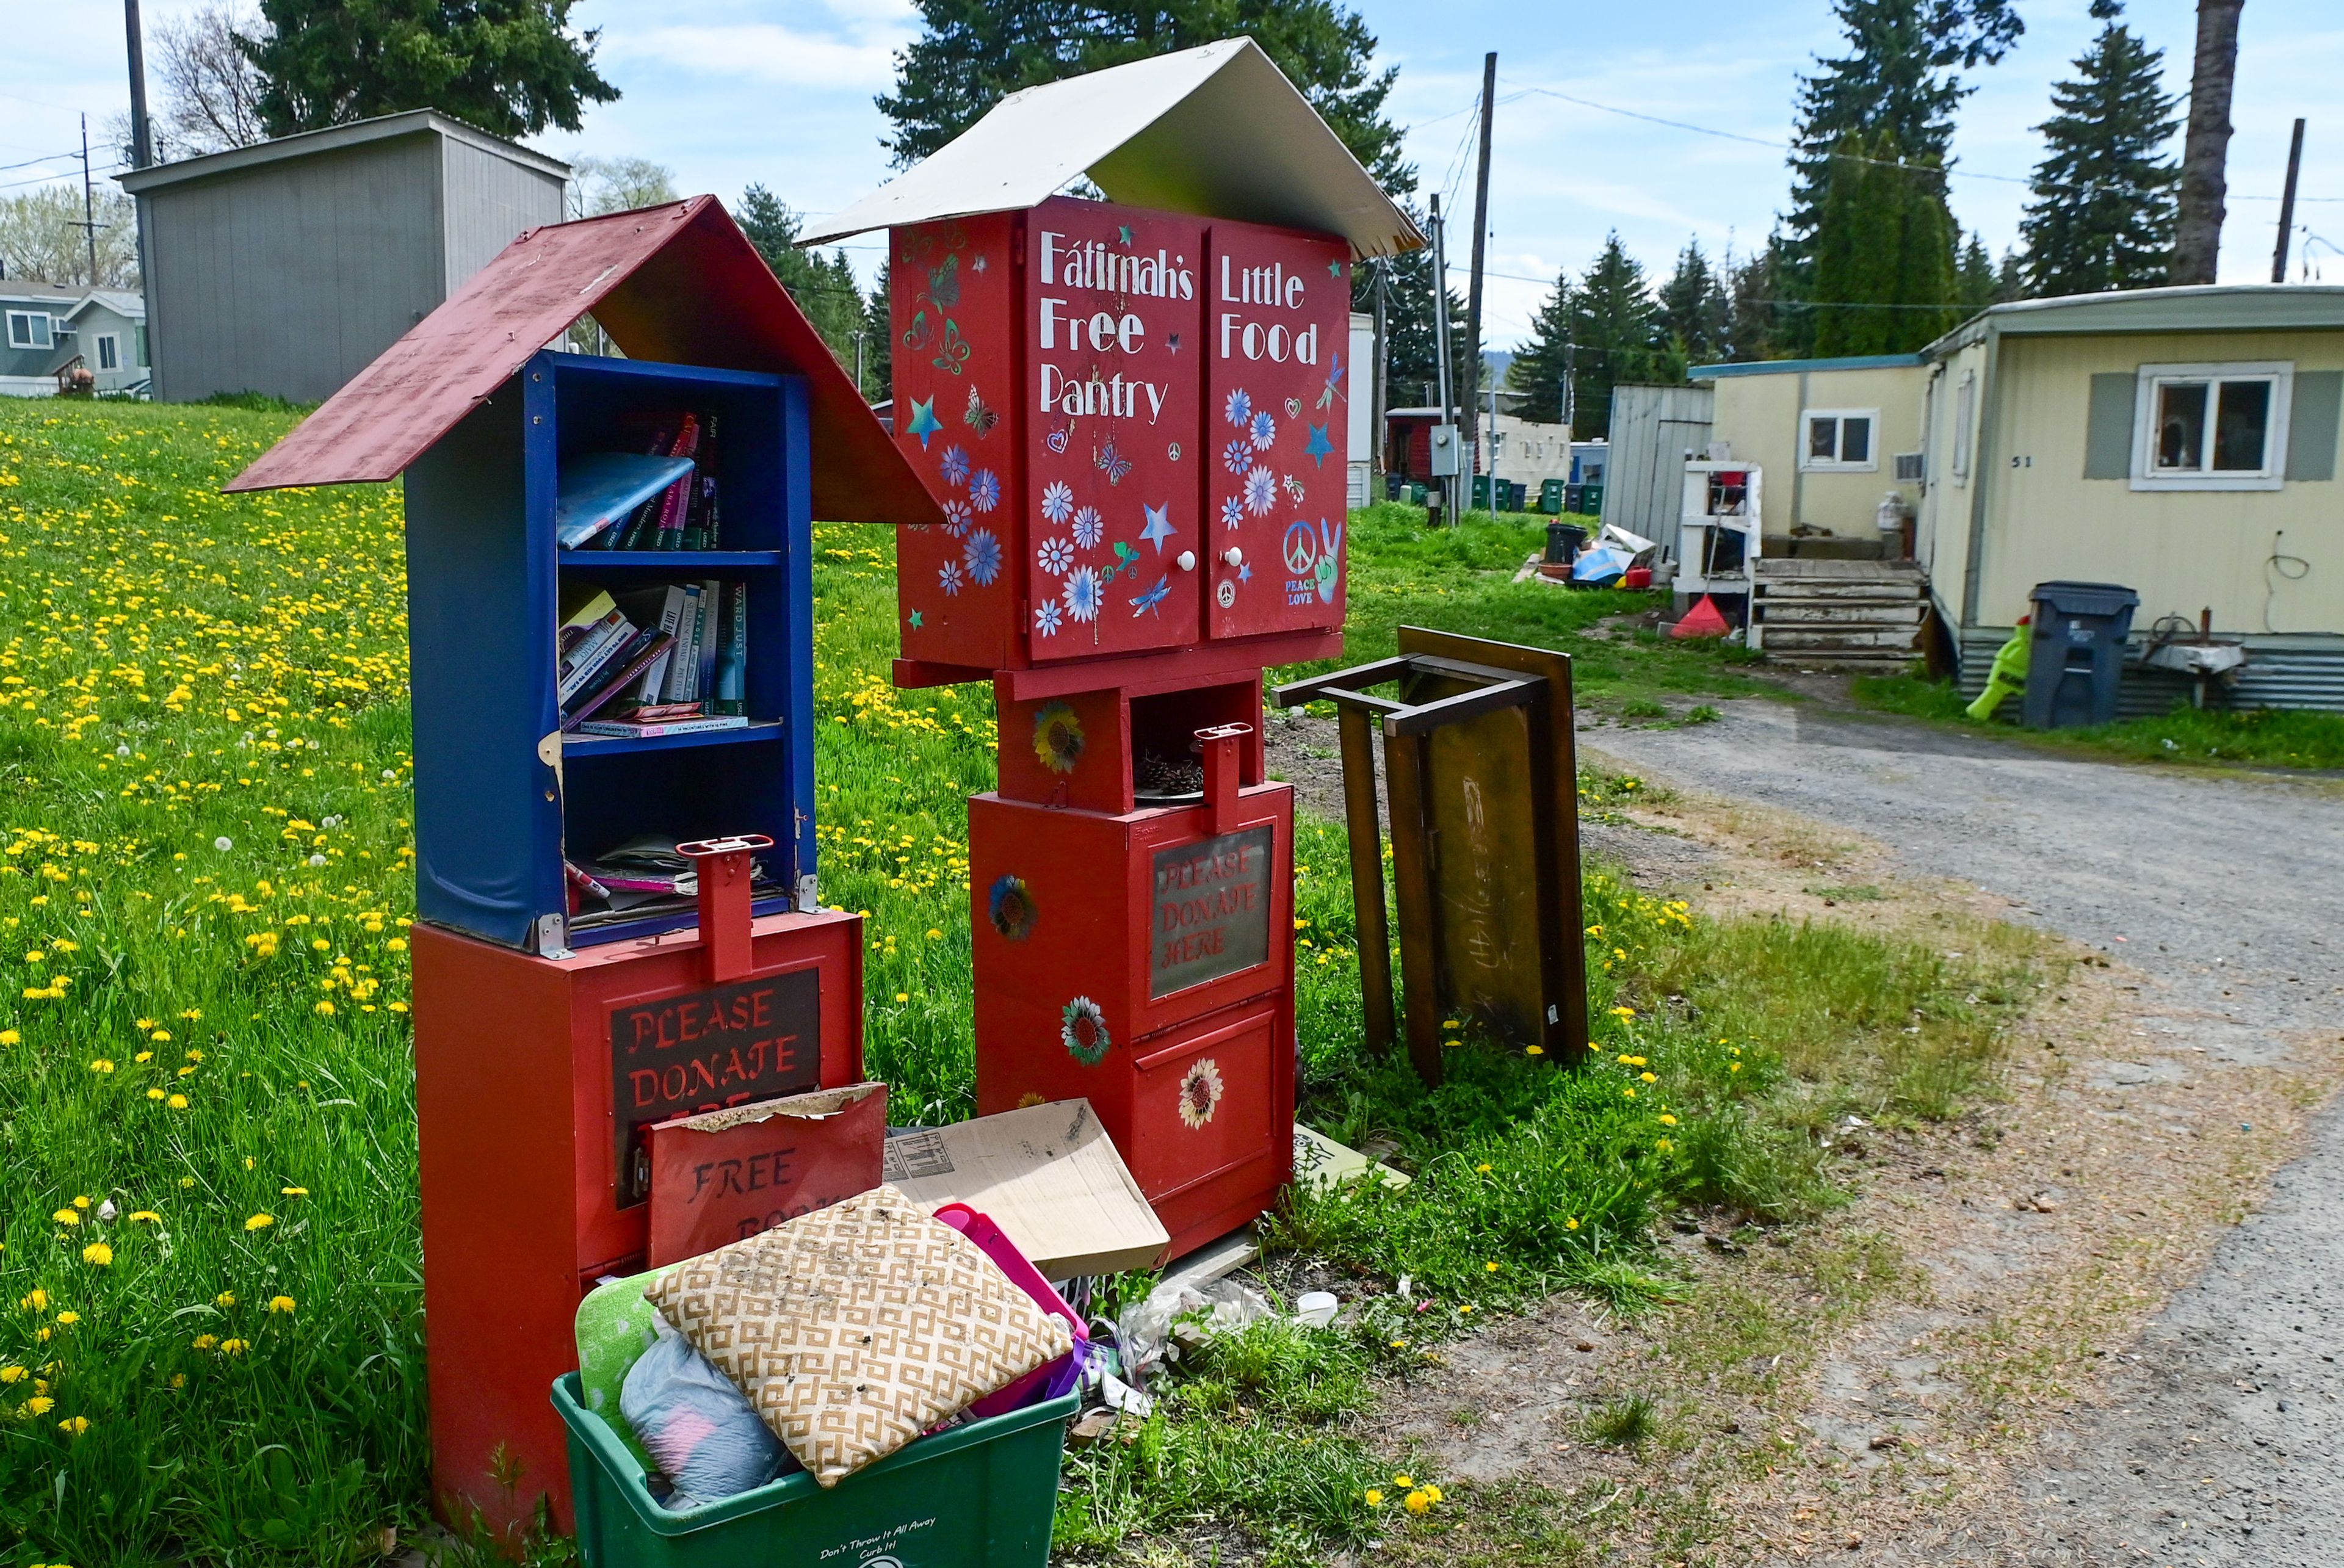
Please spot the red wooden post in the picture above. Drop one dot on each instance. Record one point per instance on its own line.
(724, 918)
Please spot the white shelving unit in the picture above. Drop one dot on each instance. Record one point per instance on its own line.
(1718, 532)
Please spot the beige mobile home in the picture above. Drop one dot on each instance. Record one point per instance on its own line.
(2180, 441)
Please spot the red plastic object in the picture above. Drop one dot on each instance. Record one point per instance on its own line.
(1067, 379)
(535, 1077)
(679, 283)
(1703, 620)
(1144, 961)
(1636, 577)
(1055, 1378)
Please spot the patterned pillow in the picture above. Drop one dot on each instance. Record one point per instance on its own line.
(855, 1328)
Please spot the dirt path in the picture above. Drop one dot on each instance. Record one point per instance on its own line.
(2211, 1432)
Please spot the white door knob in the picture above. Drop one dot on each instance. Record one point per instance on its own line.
(1188, 560)
(1233, 556)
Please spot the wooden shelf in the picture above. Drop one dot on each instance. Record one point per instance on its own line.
(664, 559)
(576, 745)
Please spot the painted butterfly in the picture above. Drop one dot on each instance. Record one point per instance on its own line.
(1111, 462)
(943, 283)
(979, 418)
(953, 352)
(916, 336)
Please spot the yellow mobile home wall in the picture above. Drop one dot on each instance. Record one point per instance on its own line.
(2181, 551)
(1761, 415)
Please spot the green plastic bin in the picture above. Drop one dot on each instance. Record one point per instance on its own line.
(978, 1496)
(1550, 496)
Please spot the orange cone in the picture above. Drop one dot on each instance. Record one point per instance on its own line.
(1703, 620)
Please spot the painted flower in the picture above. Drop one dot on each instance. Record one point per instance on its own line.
(949, 579)
(956, 517)
(1264, 431)
(1260, 491)
(1010, 907)
(983, 555)
(955, 466)
(1057, 737)
(1089, 527)
(1057, 500)
(1082, 1029)
(1238, 408)
(1083, 594)
(1200, 1092)
(1237, 456)
(1055, 555)
(1232, 511)
(1048, 617)
(984, 490)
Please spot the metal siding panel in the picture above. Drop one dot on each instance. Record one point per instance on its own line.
(2311, 424)
(488, 201)
(2108, 436)
(1651, 427)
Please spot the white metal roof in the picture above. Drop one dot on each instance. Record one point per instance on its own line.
(1217, 132)
(334, 138)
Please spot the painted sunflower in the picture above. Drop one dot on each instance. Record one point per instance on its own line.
(1010, 906)
(1057, 737)
(1082, 1028)
(1200, 1092)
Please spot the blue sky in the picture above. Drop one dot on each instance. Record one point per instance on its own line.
(726, 92)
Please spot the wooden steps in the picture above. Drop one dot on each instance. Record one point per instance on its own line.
(1859, 616)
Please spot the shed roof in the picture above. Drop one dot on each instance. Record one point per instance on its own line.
(2187, 307)
(336, 139)
(678, 282)
(1793, 367)
(1216, 132)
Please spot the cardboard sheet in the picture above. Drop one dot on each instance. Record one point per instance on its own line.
(1048, 1174)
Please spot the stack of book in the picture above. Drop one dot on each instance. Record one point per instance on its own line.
(666, 659)
(628, 877)
(663, 494)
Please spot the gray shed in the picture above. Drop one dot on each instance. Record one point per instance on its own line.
(286, 268)
(1652, 428)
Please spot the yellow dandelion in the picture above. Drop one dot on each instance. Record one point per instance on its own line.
(40, 1404)
(98, 1254)
(1418, 1501)
(1570, 1225)
(66, 1320)
(144, 1217)
(68, 1217)
(73, 1425)
(235, 1346)
(293, 1191)
(260, 1222)
(284, 1304)
(177, 1102)
(1668, 1120)
(1375, 1497)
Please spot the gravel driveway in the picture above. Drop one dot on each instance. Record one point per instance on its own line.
(2226, 1441)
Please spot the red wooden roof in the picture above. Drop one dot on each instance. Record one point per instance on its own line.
(679, 283)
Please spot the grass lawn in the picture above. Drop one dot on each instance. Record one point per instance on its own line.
(210, 1326)
(2252, 737)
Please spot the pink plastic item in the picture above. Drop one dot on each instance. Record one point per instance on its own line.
(1054, 1377)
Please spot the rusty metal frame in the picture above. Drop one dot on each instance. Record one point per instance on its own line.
(1502, 676)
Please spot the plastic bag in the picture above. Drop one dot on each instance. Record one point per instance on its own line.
(700, 1429)
(1144, 1333)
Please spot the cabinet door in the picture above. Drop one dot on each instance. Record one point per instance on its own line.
(1112, 382)
(1277, 390)
(1205, 1102)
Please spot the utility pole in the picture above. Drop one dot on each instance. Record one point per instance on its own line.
(1569, 385)
(88, 204)
(858, 368)
(2287, 204)
(1383, 368)
(1473, 289)
(1440, 342)
(142, 142)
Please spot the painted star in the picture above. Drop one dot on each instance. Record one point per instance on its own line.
(1123, 233)
(1334, 269)
(916, 621)
(925, 422)
(1319, 447)
(1159, 525)
(1245, 571)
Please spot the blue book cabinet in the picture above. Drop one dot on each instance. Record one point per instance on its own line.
(503, 794)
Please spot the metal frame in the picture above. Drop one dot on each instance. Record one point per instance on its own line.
(1505, 677)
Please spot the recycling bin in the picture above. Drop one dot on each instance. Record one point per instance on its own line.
(1550, 496)
(2075, 657)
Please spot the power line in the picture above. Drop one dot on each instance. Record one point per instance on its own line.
(1851, 157)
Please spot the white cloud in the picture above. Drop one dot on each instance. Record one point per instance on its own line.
(764, 51)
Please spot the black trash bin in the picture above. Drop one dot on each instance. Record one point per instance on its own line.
(2075, 659)
(1562, 542)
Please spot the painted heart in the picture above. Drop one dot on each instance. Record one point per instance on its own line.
(1056, 441)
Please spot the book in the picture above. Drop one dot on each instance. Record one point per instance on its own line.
(594, 649)
(671, 521)
(594, 490)
(653, 644)
(711, 625)
(660, 444)
(733, 658)
(699, 501)
(684, 668)
(661, 607)
(634, 729)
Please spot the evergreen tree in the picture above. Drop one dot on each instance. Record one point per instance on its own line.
(2103, 212)
(823, 286)
(1695, 315)
(1974, 282)
(1883, 247)
(879, 368)
(971, 54)
(1763, 326)
(1541, 361)
(1614, 324)
(512, 67)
